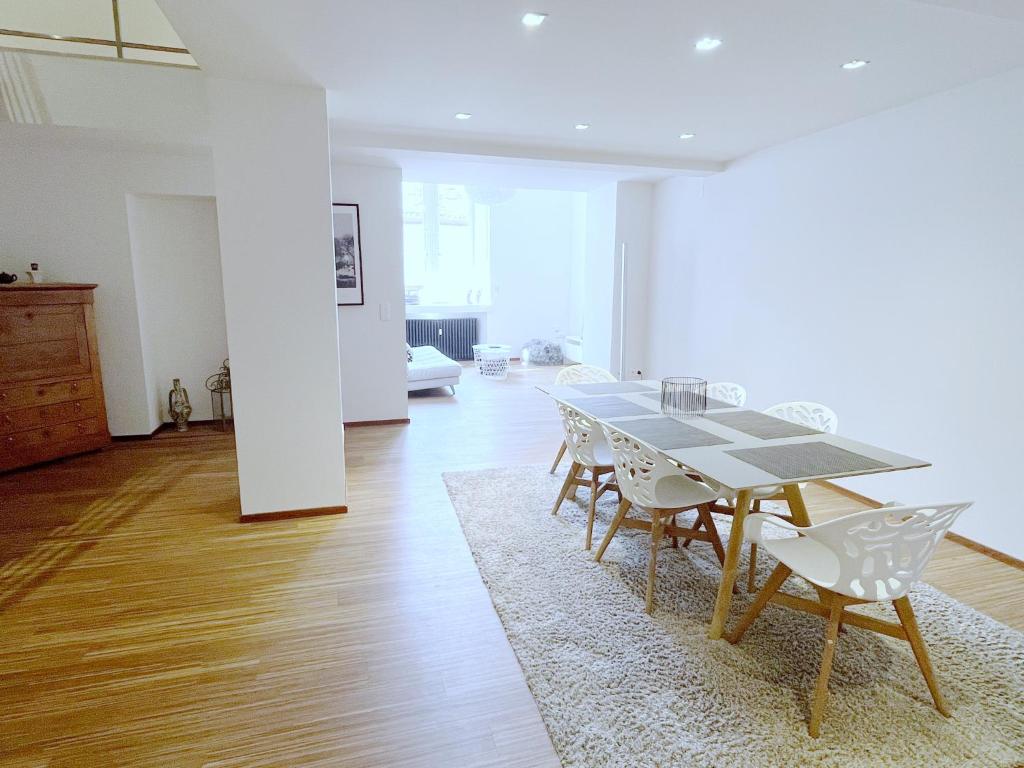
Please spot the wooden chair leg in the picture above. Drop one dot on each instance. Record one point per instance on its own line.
(558, 458)
(775, 581)
(675, 539)
(909, 622)
(821, 688)
(704, 516)
(593, 508)
(695, 527)
(616, 522)
(752, 570)
(570, 479)
(752, 567)
(657, 526)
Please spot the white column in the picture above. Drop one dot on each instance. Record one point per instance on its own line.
(271, 158)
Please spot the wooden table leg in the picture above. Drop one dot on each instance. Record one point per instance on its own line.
(732, 557)
(797, 508)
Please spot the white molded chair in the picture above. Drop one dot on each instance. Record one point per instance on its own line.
(728, 392)
(589, 452)
(579, 374)
(813, 415)
(867, 557)
(649, 481)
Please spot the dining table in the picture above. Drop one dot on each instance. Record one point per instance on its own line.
(744, 451)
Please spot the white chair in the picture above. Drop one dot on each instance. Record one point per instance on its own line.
(650, 482)
(728, 392)
(867, 557)
(813, 415)
(589, 452)
(579, 374)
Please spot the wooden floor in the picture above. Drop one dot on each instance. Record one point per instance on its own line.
(142, 625)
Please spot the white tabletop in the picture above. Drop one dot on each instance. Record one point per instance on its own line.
(714, 462)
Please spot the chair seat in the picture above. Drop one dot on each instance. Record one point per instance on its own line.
(807, 557)
(603, 454)
(679, 492)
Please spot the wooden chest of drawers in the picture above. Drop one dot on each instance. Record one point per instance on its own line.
(51, 393)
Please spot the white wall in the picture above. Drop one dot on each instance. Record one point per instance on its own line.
(176, 264)
(157, 104)
(599, 277)
(532, 245)
(578, 264)
(876, 267)
(634, 202)
(271, 154)
(64, 202)
(373, 362)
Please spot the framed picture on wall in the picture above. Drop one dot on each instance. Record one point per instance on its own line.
(348, 255)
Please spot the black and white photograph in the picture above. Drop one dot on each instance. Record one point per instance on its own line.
(348, 255)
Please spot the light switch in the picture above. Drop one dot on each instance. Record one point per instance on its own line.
(385, 310)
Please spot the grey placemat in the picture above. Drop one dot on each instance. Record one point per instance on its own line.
(713, 405)
(669, 434)
(611, 388)
(608, 407)
(815, 459)
(761, 425)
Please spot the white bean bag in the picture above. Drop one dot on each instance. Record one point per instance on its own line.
(429, 369)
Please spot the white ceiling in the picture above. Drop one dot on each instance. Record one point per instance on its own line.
(503, 172)
(399, 70)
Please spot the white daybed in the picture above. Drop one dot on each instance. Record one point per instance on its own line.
(428, 369)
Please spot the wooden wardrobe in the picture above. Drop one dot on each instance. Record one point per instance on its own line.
(51, 393)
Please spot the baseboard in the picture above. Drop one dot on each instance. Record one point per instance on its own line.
(963, 541)
(132, 438)
(167, 425)
(376, 423)
(291, 514)
(995, 554)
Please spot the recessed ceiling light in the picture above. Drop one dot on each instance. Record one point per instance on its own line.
(707, 44)
(532, 19)
(686, 136)
(582, 126)
(856, 64)
(462, 115)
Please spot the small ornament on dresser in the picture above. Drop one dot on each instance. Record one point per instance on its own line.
(178, 407)
(34, 275)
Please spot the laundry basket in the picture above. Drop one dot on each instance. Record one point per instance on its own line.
(492, 360)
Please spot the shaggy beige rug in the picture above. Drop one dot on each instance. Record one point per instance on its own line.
(617, 687)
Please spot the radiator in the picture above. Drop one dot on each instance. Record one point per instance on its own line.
(453, 337)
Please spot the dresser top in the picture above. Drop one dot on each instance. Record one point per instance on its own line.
(47, 286)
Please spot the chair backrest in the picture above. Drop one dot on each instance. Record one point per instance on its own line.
(639, 469)
(728, 392)
(882, 552)
(583, 374)
(582, 436)
(813, 415)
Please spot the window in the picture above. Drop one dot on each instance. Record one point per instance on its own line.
(447, 246)
(113, 29)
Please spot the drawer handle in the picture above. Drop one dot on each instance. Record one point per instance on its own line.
(8, 419)
(78, 405)
(29, 315)
(82, 427)
(74, 386)
(10, 440)
(3, 396)
(41, 392)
